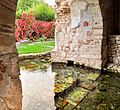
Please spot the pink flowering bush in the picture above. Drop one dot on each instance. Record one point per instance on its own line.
(30, 28)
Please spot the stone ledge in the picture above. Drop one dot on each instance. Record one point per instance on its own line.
(35, 55)
(113, 68)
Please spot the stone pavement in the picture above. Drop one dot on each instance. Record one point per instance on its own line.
(85, 89)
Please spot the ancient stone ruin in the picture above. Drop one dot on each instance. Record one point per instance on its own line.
(87, 32)
(10, 85)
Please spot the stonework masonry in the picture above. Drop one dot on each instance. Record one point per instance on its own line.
(10, 85)
(81, 44)
(86, 33)
(114, 49)
(82, 30)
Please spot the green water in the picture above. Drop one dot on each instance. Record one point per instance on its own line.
(56, 86)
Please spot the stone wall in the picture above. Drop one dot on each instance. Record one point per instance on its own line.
(82, 31)
(10, 85)
(79, 32)
(114, 33)
(114, 49)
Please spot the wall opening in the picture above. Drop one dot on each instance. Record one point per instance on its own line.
(111, 31)
(34, 27)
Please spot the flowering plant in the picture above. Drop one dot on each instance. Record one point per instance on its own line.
(29, 28)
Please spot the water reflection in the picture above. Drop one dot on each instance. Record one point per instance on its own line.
(37, 84)
(56, 86)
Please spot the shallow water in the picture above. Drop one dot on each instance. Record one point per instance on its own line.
(49, 86)
(37, 86)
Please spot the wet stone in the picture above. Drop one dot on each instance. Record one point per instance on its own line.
(77, 88)
(93, 76)
(89, 85)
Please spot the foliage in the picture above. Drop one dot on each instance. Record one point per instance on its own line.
(26, 4)
(24, 26)
(29, 28)
(44, 12)
(42, 28)
(41, 10)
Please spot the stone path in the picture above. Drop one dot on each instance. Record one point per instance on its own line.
(82, 89)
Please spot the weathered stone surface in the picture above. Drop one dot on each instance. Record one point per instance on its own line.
(3, 105)
(6, 40)
(87, 41)
(89, 93)
(114, 49)
(79, 44)
(10, 85)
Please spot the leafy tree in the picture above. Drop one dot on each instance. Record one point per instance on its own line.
(24, 5)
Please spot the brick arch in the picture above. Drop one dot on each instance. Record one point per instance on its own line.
(10, 85)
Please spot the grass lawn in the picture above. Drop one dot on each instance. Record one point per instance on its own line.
(35, 47)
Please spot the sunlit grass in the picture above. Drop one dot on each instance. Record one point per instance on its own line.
(37, 47)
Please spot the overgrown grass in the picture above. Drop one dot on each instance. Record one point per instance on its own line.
(37, 47)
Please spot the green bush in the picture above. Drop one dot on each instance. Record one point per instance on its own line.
(41, 10)
(19, 13)
(44, 12)
(25, 6)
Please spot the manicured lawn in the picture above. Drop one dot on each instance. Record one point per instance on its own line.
(35, 47)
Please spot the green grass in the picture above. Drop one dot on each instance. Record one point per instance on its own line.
(36, 47)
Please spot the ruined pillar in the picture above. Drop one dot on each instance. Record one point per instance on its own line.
(10, 85)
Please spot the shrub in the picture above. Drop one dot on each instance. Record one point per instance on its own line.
(25, 6)
(24, 26)
(29, 28)
(42, 28)
(44, 12)
(19, 13)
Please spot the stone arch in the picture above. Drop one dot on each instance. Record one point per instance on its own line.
(91, 48)
(10, 85)
(111, 31)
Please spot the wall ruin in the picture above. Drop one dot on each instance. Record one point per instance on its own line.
(82, 31)
(10, 85)
(81, 44)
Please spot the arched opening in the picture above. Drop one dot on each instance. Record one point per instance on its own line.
(34, 27)
(72, 45)
(111, 19)
(35, 36)
(10, 84)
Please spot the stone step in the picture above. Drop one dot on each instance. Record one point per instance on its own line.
(72, 99)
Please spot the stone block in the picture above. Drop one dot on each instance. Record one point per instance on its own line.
(6, 40)
(97, 32)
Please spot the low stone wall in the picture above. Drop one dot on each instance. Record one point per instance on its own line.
(45, 55)
(114, 49)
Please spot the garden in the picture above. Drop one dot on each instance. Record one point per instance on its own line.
(34, 26)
